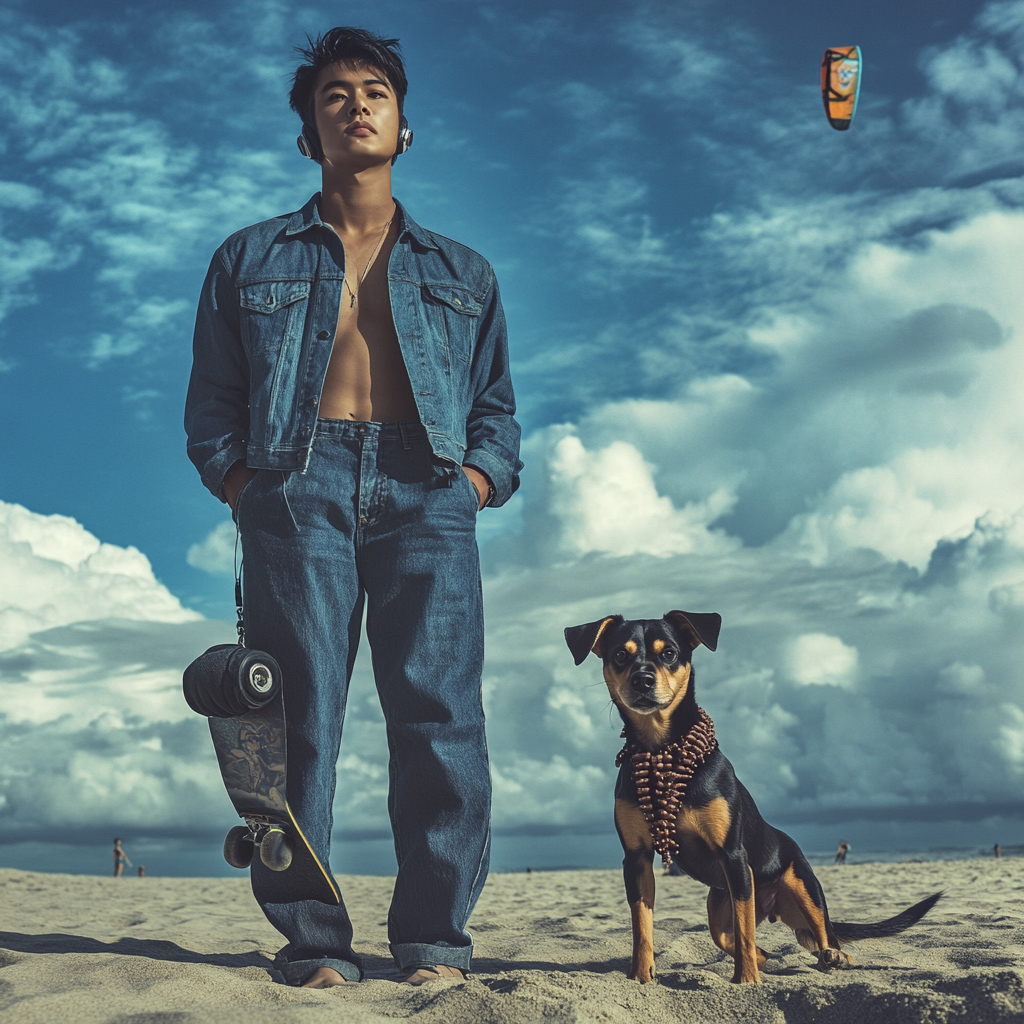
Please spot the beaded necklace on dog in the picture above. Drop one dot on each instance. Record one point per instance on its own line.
(663, 777)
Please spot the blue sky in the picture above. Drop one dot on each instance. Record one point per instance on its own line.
(763, 367)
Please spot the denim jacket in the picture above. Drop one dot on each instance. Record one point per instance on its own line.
(265, 331)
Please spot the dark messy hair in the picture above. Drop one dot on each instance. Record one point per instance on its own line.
(346, 46)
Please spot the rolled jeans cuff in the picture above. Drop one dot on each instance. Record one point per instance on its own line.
(412, 955)
(298, 971)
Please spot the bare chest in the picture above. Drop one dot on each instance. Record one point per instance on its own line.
(366, 376)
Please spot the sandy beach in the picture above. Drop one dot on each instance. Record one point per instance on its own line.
(551, 947)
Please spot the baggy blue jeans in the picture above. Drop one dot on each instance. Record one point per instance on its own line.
(376, 520)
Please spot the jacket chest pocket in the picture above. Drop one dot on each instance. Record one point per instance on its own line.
(273, 313)
(273, 316)
(455, 313)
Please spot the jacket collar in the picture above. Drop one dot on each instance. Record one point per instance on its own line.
(309, 217)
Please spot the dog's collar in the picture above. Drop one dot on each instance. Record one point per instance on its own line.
(662, 778)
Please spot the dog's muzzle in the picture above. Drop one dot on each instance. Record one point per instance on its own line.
(642, 684)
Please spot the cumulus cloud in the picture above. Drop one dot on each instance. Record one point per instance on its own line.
(56, 573)
(94, 731)
(817, 659)
(216, 553)
(607, 501)
(889, 418)
(862, 685)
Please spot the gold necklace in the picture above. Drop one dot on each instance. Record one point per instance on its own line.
(366, 269)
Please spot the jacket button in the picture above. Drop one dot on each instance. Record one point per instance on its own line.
(324, 335)
(312, 401)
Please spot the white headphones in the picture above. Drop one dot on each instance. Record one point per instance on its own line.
(309, 142)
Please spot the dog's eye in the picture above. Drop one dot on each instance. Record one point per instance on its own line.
(621, 657)
(668, 655)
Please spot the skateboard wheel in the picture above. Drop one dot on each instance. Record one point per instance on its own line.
(276, 850)
(258, 679)
(238, 847)
(228, 681)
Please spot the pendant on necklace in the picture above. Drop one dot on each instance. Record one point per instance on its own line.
(353, 302)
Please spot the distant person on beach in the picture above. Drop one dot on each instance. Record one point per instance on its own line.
(351, 401)
(142, 871)
(844, 848)
(997, 851)
(120, 859)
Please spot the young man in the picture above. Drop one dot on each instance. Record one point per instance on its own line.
(350, 400)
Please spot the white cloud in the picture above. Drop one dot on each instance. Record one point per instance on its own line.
(549, 793)
(216, 554)
(608, 223)
(607, 501)
(817, 659)
(1010, 741)
(890, 418)
(959, 679)
(56, 572)
(19, 195)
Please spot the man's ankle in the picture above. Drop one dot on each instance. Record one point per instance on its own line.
(440, 972)
(324, 977)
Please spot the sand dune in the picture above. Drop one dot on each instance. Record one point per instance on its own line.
(551, 947)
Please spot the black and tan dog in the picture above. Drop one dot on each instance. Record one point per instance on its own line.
(719, 837)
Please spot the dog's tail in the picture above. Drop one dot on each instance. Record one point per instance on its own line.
(883, 929)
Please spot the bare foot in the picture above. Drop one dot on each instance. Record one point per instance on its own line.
(441, 971)
(324, 977)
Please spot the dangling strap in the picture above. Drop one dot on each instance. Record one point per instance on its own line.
(240, 625)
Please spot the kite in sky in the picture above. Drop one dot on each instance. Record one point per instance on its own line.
(840, 84)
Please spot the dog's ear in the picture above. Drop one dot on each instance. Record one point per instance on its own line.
(586, 638)
(702, 627)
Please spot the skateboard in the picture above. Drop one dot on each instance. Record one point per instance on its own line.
(253, 756)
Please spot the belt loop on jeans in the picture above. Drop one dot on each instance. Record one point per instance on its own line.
(404, 434)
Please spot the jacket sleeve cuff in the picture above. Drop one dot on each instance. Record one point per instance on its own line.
(498, 471)
(217, 468)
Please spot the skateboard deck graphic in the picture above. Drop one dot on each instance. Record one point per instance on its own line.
(253, 757)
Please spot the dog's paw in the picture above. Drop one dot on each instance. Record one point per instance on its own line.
(831, 959)
(644, 973)
(748, 976)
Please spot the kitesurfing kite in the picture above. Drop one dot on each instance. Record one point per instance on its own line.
(840, 84)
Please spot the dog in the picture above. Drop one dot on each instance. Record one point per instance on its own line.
(678, 794)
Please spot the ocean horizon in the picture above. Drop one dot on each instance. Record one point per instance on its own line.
(201, 858)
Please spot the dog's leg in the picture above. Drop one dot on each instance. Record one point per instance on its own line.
(801, 905)
(642, 916)
(638, 874)
(721, 926)
(720, 919)
(741, 892)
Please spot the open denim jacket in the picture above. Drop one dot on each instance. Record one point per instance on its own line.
(265, 331)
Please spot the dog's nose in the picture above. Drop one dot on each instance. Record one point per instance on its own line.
(643, 679)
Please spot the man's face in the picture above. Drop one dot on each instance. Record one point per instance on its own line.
(356, 116)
